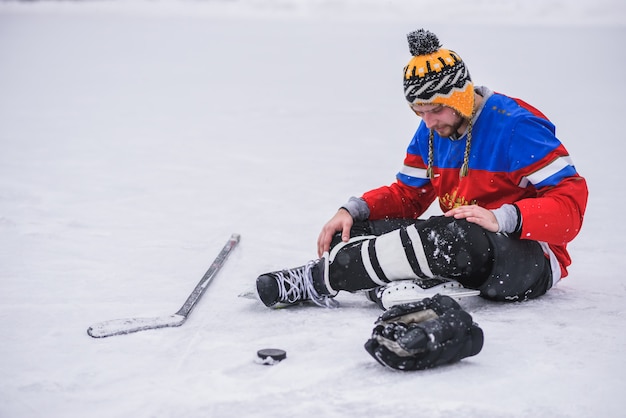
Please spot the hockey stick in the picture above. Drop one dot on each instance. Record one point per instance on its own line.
(129, 325)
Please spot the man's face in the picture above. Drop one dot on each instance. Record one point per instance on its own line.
(444, 120)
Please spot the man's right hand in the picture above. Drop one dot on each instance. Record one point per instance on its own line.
(341, 222)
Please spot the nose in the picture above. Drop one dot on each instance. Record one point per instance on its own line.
(429, 119)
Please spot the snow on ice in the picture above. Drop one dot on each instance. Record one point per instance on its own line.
(136, 136)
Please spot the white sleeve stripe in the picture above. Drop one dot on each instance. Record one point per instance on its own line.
(419, 173)
(547, 171)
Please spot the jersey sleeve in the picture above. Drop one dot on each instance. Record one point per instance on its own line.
(555, 215)
(409, 197)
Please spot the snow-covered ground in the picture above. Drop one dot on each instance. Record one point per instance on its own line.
(136, 136)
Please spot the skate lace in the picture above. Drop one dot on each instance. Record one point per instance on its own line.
(297, 284)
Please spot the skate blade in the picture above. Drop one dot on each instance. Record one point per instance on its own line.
(406, 293)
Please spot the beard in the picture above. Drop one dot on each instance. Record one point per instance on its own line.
(450, 131)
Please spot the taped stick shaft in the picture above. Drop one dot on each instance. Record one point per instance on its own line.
(193, 298)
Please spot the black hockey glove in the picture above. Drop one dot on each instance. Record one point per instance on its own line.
(424, 334)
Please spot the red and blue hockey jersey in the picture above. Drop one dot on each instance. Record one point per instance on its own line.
(514, 158)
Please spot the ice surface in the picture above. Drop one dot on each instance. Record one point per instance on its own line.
(136, 136)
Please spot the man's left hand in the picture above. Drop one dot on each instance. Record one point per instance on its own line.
(475, 214)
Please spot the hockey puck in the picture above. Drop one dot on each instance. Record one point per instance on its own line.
(271, 356)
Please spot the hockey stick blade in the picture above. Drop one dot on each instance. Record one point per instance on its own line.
(130, 325)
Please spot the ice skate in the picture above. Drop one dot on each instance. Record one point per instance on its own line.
(404, 291)
(291, 286)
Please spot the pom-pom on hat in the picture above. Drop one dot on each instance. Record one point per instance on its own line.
(437, 76)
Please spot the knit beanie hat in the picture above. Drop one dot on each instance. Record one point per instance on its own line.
(437, 76)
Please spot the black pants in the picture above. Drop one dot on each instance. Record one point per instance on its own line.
(502, 268)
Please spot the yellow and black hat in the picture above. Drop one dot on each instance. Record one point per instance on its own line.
(437, 76)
